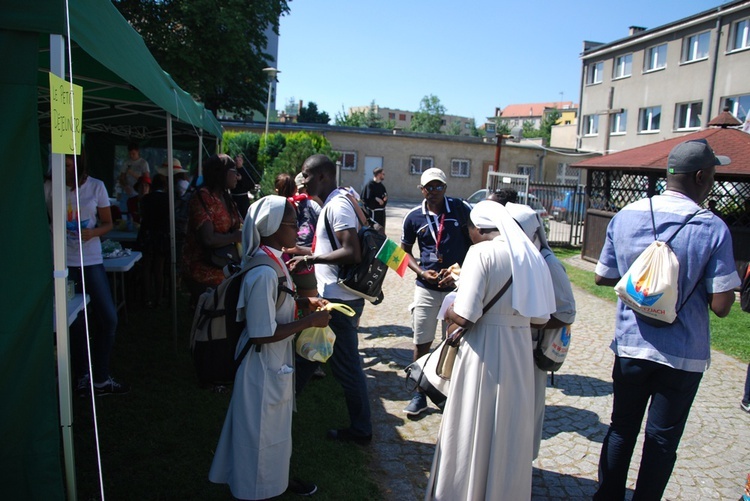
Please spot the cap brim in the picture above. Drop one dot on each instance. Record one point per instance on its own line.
(723, 160)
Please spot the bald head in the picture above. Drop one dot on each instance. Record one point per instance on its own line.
(320, 164)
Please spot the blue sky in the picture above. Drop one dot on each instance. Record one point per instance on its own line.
(473, 55)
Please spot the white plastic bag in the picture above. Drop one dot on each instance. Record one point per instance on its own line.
(316, 343)
(650, 285)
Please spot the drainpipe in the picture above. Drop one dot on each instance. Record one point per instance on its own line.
(580, 103)
(715, 63)
(608, 117)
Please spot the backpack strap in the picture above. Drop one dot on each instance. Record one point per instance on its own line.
(684, 223)
(261, 259)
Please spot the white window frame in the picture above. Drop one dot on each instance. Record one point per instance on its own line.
(623, 67)
(348, 160)
(591, 125)
(460, 167)
(646, 119)
(419, 164)
(652, 61)
(595, 73)
(686, 114)
(618, 123)
(695, 47)
(739, 106)
(527, 170)
(740, 38)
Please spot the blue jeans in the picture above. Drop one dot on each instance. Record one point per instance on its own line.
(103, 317)
(746, 396)
(345, 366)
(671, 393)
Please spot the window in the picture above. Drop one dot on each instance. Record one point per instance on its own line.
(656, 58)
(402, 117)
(738, 106)
(348, 160)
(418, 165)
(460, 167)
(695, 47)
(391, 116)
(740, 35)
(527, 170)
(649, 119)
(688, 115)
(623, 66)
(590, 125)
(594, 73)
(618, 123)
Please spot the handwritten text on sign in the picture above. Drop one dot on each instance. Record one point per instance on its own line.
(65, 121)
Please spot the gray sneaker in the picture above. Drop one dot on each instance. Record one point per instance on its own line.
(417, 405)
(111, 387)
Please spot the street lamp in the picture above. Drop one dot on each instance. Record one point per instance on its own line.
(271, 74)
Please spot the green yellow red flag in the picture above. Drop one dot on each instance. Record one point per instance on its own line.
(393, 256)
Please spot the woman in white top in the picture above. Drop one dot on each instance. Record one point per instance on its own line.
(256, 441)
(485, 442)
(88, 202)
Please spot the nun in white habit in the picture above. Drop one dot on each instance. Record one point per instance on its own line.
(256, 441)
(484, 445)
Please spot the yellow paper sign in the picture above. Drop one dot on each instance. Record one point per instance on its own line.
(65, 121)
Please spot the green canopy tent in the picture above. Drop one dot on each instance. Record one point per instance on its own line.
(126, 94)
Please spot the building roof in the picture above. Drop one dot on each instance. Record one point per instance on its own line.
(733, 143)
(724, 119)
(533, 109)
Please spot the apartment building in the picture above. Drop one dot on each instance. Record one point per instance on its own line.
(402, 119)
(515, 115)
(665, 82)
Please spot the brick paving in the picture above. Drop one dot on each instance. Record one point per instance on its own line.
(713, 458)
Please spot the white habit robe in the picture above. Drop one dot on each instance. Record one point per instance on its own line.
(484, 447)
(256, 441)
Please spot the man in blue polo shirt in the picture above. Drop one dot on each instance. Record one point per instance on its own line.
(438, 226)
(661, 367)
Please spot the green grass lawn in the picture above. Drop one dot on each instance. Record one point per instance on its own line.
(730, 335)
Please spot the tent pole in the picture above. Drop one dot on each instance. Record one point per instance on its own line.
(200, 153)
(172, 229)
(57, 67)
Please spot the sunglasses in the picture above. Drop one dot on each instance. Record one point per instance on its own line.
(439, 187)
(290, 223)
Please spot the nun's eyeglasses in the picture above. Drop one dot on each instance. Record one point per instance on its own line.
(290, 223)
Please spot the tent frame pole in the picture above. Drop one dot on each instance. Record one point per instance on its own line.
(57, 67)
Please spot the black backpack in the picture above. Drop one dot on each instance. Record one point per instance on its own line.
(364, 279)
(745, 291)
(216, 331)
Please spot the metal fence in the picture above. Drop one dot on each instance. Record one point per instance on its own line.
(561, 206)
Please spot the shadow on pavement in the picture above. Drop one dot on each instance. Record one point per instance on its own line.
(582, 386)
(563, 418)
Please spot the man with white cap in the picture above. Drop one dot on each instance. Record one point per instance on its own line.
(660, 368)
(565, 304)
(438, 226)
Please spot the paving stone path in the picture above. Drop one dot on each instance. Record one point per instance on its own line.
(713, 458)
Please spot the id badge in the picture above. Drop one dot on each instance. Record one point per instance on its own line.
(433, 258)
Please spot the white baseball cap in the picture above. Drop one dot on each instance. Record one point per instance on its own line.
(432, 174)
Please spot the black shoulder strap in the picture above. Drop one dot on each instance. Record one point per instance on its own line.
(264, 260)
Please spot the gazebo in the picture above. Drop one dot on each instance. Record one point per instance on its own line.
(615, 180)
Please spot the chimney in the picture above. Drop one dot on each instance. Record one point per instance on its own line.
(634, 30)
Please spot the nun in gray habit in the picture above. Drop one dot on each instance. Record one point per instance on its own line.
(256, 441)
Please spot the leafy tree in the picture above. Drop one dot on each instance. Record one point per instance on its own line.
(529, 130)
(453, 129)
(550, 119)
(212, 48)
(247, 144)
(502, 127)
(429, 118)
(474, 131)
(310, 115)
(298, 146)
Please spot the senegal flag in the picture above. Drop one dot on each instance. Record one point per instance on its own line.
(394, 256)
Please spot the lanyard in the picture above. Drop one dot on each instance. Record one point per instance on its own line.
(440, 230)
